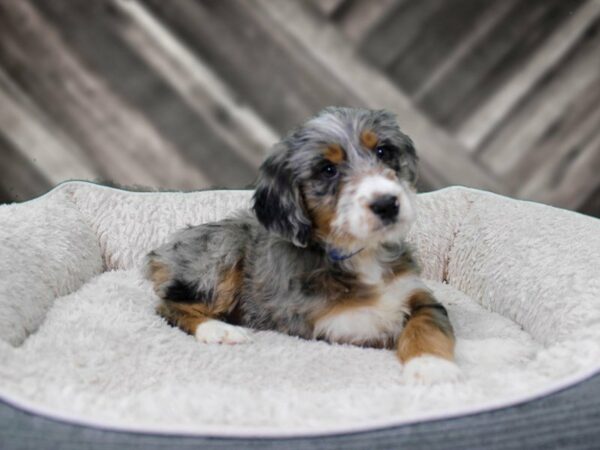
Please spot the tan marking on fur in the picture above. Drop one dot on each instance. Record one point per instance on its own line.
(322, 217)
(344, 305)
(322, 212)
(185, 316)
(422, 334)
(159, 273)
(228, 289)
(369, 139)
(188, 316)
(335, 153)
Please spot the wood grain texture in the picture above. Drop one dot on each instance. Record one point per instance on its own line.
(117, 138)
(186, 94)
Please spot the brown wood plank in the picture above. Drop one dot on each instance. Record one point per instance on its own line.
(125, 147)
(482, 121)
(93, 32)
(493, 60)
(547, 111)
(262, 65)
(443, 160)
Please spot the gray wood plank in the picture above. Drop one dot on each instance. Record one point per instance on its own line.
(494, 13)
(328, 7)
(359, 17)
(571, 170)
(36, 138)
(570, 186)
(93, 33)
(576, 124)
(443, 160)
(396, 31)
(21, 178)
(483, 120)
(261, 64)
(591, 205)
(520, 141)
(512, 41)
(196, 83)
(438, 35)
(125, 147)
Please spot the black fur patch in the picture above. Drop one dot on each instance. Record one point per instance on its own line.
(182, 292)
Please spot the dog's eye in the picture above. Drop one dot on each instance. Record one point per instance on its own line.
(329, 170)
(384, 152)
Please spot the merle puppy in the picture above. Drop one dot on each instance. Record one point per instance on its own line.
(321, 255)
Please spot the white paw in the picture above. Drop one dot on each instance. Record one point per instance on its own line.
(217, 332)
(431, 370)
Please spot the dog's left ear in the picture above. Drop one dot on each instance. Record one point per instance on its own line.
(278, 203)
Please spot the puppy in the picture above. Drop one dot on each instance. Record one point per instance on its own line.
(321, 255)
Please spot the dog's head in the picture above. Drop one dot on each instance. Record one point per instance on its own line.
(345, 179)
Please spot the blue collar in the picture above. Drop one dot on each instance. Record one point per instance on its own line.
(336, 255)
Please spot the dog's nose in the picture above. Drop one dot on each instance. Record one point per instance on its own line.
(386, 207)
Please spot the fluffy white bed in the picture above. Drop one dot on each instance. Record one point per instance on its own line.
(79, 339)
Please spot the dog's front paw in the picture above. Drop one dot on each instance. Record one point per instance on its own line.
(430, 369)
(217, 332)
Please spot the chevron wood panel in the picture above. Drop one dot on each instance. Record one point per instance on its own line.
(188, 94)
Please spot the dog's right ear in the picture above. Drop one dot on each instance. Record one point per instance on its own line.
(278, 203)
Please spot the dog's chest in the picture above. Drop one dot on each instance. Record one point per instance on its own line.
(379, 319)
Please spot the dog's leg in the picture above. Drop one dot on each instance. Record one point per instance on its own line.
(196, 319)
(200, 317)
(426, 344)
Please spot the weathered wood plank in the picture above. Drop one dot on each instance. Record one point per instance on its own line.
(437, 36)
(328, 7)
(575, 124)
(267, 68)
(573, 183)
(483, 120)
(493, 14)
(494, 60)
(196, 84)
(125, 147)
(523, 132)
(21, 179)
(591, 206)
(93, 32)
(36, 138)
(443, 160)
(397, 31)
(571, 170)
(358, 18)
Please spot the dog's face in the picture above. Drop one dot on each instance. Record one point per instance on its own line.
(345, 178)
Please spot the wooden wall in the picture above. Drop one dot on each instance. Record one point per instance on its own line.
(498, 94)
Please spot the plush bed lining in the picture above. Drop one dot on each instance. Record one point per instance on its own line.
(527, 317)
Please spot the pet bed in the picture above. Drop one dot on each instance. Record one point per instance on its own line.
(84, 358)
